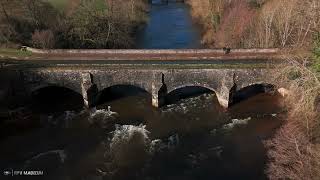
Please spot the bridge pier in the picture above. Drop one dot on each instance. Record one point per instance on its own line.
(86, 84)
(155, 96)
(223, 100)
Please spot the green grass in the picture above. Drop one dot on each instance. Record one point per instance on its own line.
(14, 53)
(60, 5)
(100, 5)
(316, 54)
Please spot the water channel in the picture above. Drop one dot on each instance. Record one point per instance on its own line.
(190, 137)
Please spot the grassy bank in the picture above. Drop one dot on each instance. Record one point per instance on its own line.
(6, 52)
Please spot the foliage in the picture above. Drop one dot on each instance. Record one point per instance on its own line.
(294, 150)
(258, 23)
(59, 4)
(43, 39)
(316, 52)
(72, 23)
(256, 3)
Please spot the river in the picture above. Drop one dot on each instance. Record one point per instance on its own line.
(188, 139)
(169, 27)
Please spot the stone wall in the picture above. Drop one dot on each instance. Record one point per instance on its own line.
(24, 82)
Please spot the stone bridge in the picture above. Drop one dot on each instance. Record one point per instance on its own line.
(157, 77)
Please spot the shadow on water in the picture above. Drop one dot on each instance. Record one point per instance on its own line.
(185, 92)
(117, 92)
(53, 99)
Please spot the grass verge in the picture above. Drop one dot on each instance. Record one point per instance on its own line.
(14, 53)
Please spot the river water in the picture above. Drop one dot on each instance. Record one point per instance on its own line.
(193, 138)
(169, 27)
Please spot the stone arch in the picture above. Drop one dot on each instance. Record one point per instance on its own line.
(33, 88)
(51, 98)
(203, 89)
(237, 95)
(117, 91)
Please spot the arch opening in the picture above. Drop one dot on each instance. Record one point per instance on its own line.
(184, 93)
(53, 99)
(237, 96)
(118, 92)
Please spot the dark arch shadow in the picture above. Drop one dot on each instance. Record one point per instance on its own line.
(117, 92)
(52, 99)
(247, 92)
(184, 93)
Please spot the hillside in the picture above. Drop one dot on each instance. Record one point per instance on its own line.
(70, 23)
(257, 23)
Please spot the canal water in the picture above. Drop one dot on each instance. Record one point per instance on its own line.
(124, 137)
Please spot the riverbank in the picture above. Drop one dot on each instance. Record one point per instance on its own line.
(294, 150)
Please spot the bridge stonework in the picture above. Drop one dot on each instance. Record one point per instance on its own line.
(81, 80)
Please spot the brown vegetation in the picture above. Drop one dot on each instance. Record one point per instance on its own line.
(294, 152)
(82, 24)
(43, 39)
(257, 23)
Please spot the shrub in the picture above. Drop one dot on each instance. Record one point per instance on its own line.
(294, 151)
(43, 39)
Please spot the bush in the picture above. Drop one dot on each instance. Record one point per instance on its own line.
(256, 3)
(85, 24)
(43, 39)
(294, 151)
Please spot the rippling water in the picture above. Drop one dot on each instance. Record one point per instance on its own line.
(193, 139)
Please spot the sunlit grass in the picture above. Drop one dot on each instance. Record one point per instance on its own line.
(14, 52)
